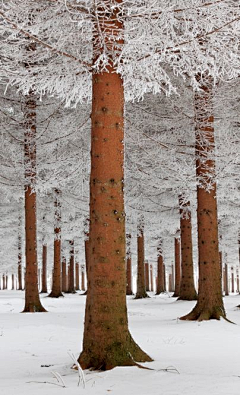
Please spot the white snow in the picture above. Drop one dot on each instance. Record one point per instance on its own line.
(205, 354)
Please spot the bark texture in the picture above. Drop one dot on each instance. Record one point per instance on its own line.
(141, 271)
(177, 247)
(187, 287)
(32, 300)
(57, 280)
(210, 303)
(160, 276)
(64, 275)
(107, 342)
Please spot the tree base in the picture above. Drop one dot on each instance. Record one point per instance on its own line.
(188, 297)
(141, 296)
(34, 308)
(58, 295)
(205, 314)
(117, 354)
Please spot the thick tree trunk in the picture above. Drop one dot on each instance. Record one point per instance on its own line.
(141, 271)
(177, 246)
(107, 342)
(64, 275)
(210, 303)
(57, 280)
(187, 288)
(44, 269)
(77, 277)
(32, 300)
(160, 276)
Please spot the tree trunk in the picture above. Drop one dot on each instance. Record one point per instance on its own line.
(232, 278)
(160, 274)
(20, 287)
(32, 300)
(71, 272)
(187, 288)
(83, 287)
(77, 276)
(64, 275)
(177, 246)
(12, 281)
(151, 278)
(210, 303)
(226, 288)
(57, 281)
(129, 266)
(147, 276)
(44, 269)
(107, 342)
(141, 271)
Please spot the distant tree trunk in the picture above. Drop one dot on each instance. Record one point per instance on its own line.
(170, 282)
(147, 276)
(210, 303)
(141, 281)
(232, 278)
(44, 269)
(187, 288)
(83, 287)
(177, 246)
(160, 272)
(20, 287)
(77, 276)
(151, 278)
(71, 273)
(12, 281)
(226, 288)
(32, 300)
(57, 281)
(129, 266)
(107, 341)
(64, 275)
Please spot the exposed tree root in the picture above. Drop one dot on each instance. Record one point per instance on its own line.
(205, 314)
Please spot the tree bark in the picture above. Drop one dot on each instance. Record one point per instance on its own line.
(177, 246)
(160, 272)
(57, 280)
(20, 287)
(129, 266)
(64, 275)
(141, 271)
(77, 277)
(187, 287)
(71, 272)
(32, 300)
(210, 303)
(83, 286)
(107, 342)
(44, 269)
(147, 276)
(12, 281)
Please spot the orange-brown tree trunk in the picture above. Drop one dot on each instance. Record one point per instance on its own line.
(83, 287)
(77, 277)
(187, 287)
(141, 271)
(71, 272)
(160, 271)
(177, 246)
(64, 275)
(147, 276)
(32, 300)
(107, 342)
(44, 269)
(210, 302)
(57, 280)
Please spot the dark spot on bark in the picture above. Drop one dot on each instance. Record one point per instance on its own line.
(104, 109)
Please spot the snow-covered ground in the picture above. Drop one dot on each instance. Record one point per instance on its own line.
(32, 346)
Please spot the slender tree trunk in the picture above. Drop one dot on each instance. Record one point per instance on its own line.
(160, 273)
(147, 276)
(32, 300)
(129, 266)
(151, 278)
(71, 272)
(187, 288)
(20, 287)
(44, 269)
(57, 280)
(226, 288)
(64, 275)
(177, 246)
(77, 276)
(141, 271)
(232, 278)
(83, 287)
(107, 342)
(12, 281)
(210, 303)
(6, 278)
(4, 281)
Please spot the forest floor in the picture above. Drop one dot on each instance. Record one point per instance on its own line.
(205, 355)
